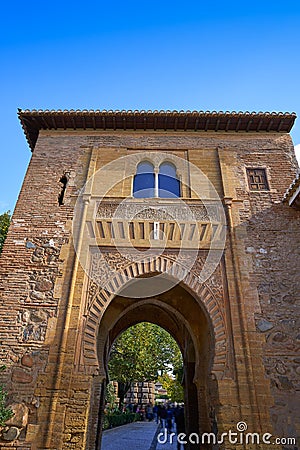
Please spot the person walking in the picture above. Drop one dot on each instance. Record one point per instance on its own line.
(163, 416)
(155, 413)
(180, 424)
(169, 419)
(149, 412)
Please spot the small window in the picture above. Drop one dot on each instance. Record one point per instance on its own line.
(257, 180)
(144, 180)
(168, 183)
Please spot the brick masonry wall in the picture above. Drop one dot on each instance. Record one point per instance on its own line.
(270, 232)
(273, 238)
(30, 266)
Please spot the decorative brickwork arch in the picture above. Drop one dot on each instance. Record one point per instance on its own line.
(184, 317)
(202, 293)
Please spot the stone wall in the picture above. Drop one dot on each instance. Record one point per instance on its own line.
(269, 263)
(271, 234)
(273, 246)
(31, 271)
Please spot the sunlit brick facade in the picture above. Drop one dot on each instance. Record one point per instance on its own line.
(238, 328)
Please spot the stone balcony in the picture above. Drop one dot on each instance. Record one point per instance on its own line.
(156, 223)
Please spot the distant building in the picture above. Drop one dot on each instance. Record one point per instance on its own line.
(159, 390)
(141, 393)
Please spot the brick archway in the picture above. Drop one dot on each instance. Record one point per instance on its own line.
(179, 313)
(201, 292)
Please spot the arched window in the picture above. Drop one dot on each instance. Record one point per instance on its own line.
(144, 180)
(168, 183)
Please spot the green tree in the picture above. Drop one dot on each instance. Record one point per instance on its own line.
(173, 387)
(142, 353)
(4, 224)
(110, 397)
(5, 412)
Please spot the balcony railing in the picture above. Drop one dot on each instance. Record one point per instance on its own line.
(156, 224)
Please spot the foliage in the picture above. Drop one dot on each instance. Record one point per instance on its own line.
(173, 387)
(123, 388)
(162, 397)
(5, 412)
(118, 418)
(142, 353)
(178, 372)
(4, 225)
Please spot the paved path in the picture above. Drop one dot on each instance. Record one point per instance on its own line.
(165, 441)
(137, 436)
(140, 436)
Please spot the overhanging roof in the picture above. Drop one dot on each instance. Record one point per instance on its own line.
(33, 121)
(292, 195)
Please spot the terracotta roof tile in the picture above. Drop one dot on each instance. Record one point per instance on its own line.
(33, 121)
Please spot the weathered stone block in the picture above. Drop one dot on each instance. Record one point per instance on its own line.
(20, 417)
(11, 434)
(21, 376)
(27, 361)
(32, 432)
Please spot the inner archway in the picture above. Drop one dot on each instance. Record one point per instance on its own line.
(141, 357)
(184, 317)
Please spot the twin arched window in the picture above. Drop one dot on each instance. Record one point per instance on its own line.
(149, 183)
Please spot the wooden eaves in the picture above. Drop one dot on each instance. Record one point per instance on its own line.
(33, 121)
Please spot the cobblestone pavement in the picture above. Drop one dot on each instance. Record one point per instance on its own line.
(137, 436)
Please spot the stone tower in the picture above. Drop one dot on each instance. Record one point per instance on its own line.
(176, 218)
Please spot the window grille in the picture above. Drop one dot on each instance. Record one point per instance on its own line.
(257, 180)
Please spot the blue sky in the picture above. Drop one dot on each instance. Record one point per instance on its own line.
(198, 55)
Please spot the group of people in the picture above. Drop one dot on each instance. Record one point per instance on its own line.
(172, 419)
(169, 416)
(145, 412)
